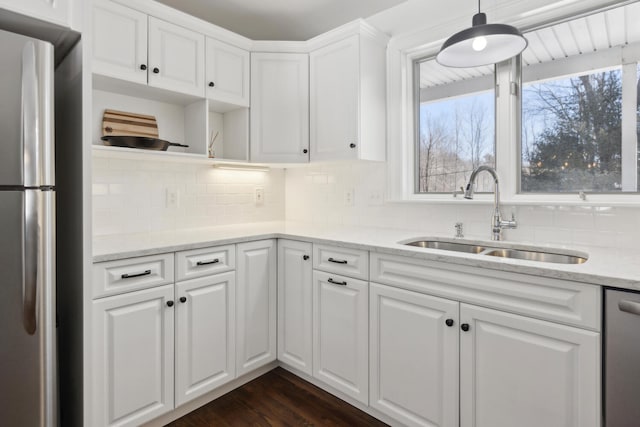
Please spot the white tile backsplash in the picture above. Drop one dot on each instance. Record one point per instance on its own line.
(131, 196)
(316, 194)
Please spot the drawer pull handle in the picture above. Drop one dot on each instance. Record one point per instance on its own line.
(337, 283)
(337, 261)
(131, 276)
(629, 307)
(213, 261)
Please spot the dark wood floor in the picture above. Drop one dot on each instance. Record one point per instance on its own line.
(277, 398)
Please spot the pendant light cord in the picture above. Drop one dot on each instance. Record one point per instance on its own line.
(478, 6)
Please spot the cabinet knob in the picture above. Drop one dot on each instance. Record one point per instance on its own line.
(169, 303)
(352, 145)
(464, 327)
(211, 84)
(156, 70)
(143, 67)
(183, 299)
(305, 151)
(449, 322)
(305, 257)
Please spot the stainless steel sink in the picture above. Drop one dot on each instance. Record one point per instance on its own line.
(504, 252)
(536, 256)
(448, 246)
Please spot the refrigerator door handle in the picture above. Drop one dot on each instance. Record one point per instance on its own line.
(30, 259)
(30, 123)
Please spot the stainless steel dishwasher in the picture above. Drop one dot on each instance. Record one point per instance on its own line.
(622, 358)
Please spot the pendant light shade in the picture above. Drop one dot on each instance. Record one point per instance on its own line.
(481, 44)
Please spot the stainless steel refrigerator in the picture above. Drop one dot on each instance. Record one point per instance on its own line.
(27, 241)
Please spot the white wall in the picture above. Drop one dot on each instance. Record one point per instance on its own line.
(316, 194)
(130, 196)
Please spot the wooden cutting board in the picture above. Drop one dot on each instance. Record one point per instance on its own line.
(118, 123)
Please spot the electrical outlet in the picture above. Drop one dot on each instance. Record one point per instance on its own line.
(349, 197)
(259, 197)
(172, 198)
(375, 198)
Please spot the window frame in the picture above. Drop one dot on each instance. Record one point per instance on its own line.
(403, 54)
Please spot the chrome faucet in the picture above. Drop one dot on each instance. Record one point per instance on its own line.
(497, 223)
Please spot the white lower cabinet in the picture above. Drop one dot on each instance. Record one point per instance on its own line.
(255, 305)
(414, 357)
(513, 370)
(518, 371)
(295, 303)
(205, 335)
(132, 366)
(340, 333)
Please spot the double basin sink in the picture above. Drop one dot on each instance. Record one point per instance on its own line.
(513, 253)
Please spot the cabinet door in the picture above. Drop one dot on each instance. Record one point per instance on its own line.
(256, 305)
(340, 333)
(227, 73)
(55, 11)
(334, 76)
(295, 305)
(205, 335)
(518, 371)
(176, 58)
(279, 107)
(120, 53)
(414, 357)
(132, 345)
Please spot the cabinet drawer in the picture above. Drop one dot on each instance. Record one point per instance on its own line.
(556, 300)
(205, 262)
(349, 262)
(126, 275)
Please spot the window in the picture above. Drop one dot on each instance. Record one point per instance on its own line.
(572, 134)
(456, 131)
(571, 127)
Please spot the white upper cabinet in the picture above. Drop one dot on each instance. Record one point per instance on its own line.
(54, 11)
(348, 99)
(147, 50)
(176, 58)
(517, 371)
(227, 77)
(279, 107)
(123, 53)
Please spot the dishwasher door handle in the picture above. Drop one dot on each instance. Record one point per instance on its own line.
(629, 307)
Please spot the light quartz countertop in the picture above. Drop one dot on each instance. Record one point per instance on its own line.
(606, 267)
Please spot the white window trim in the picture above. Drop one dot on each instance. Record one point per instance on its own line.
(402, 53)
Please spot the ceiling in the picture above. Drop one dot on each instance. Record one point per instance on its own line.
(597, 32)
(280, 19)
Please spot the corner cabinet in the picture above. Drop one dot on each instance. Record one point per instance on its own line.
(295, 303)
(348, 99)
(256, 305)
(279, 107)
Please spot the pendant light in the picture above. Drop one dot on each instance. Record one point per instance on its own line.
(481, 44)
